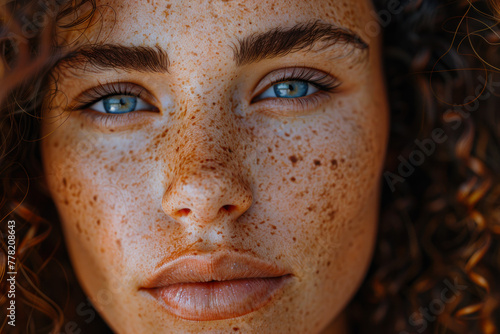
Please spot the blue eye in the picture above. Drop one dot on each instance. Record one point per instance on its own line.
(289, 89)
(120, 104)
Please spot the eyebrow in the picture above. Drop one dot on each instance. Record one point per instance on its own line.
(279, 41)
(273, 43)
(115, 56)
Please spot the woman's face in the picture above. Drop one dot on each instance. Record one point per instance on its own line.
(232, 187)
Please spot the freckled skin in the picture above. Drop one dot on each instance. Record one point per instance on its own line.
(301, 191)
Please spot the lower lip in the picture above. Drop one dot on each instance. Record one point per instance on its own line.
(219, 300)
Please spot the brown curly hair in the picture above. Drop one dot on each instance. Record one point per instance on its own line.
(436, 265)
(437, 256)
(29, 50)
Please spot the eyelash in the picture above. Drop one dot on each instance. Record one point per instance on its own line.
(325, 82)
(102, 91)
(326, 85)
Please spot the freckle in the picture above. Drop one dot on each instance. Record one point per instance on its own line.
(95, 198)
(119, 243)
(64, 181)
(98, 222)
(292, 179)
(293, 159)
(334, 164)
(294, 239)
(102, 250)
(262, 222)
(317, 162)
(78, 227)
(274, 227)
(236, 329)
(56, 144)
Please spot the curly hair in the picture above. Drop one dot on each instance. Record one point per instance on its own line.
(436, 262)
(437, 253)
(30, 48)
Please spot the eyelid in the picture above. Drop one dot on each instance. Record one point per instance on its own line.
(112, 122)
(293, 107)
(93, 95)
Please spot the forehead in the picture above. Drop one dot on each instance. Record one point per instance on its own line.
(206, 23)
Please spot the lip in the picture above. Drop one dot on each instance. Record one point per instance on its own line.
(216, 286)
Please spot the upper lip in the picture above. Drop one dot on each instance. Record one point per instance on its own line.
(212, 267)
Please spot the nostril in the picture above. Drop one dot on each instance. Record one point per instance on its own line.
(228, 208)
(183, 212)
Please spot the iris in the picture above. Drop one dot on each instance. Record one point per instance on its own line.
(119, 104)
(289, 89)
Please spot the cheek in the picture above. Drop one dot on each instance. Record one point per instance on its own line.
(332, 189)
(344, 183)
(78, 168)
(319, 171)
(320, 183)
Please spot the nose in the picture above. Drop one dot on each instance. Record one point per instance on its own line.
(207, 194)
(207, 184)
